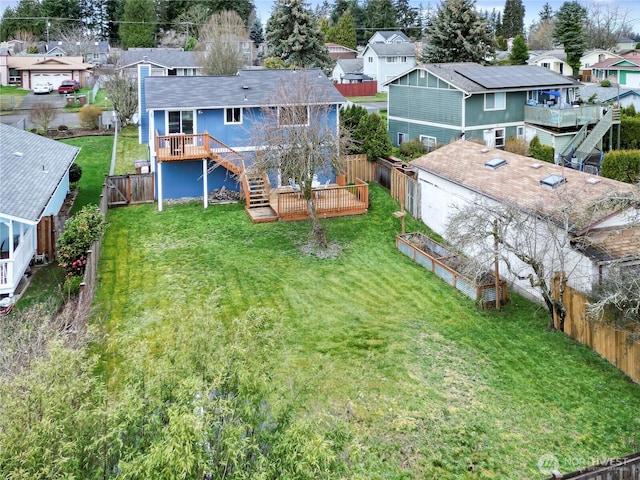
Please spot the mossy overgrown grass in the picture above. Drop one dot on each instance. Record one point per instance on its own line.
(129, 150)
(428, 385)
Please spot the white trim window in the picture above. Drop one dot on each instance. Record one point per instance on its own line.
(429, 142)
(401, 138)
(180, 122)
(495, 101)
(370, 59)
(403, 59)
(423, 73)
(233, 116)
(520, 131)
(499, 138)
(293, 116)
(392, 59)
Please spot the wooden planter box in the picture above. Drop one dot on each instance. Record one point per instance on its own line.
(448, 265)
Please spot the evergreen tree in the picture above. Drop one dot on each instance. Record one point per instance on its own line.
(380, 15)
(359, 17)
(57, 10)
(546, 14)
(256, 34)
(339, 7)
(139, 24)
(372, 134)
(458, 34)
(294, 36)
(244, 8)
(519, 51)
(569, 30)
(26, 16)
(408, 19)
(344, 33)
(512, 19)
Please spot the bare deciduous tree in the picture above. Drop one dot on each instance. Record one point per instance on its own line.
(541, 36)
(616, 299)
(42, 114)
(298, 139)
(534, 244)
(76, 40)
(122, 92)
(607, 22)
(221, 49)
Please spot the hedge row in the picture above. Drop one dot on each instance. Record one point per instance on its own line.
(623, 165)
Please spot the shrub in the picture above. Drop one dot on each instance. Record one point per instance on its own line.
(75, 173)
(76, 238)
(89, 116)
(605, 83)
(62, 128)
(539, 151)
(71, 286)
(516, 145)
(629, 133)
(622, 165)
(412, 149)
(372, 133)
(42, 114)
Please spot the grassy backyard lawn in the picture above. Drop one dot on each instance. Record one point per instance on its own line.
(425, 384)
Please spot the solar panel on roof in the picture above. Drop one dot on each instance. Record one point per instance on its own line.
(513, 76)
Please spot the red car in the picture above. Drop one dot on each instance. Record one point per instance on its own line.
(69, 86)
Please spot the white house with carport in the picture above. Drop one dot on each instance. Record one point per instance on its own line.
(464, 173)
(34, 182)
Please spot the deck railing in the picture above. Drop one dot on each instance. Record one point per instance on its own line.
(329, 201)
(562, 117)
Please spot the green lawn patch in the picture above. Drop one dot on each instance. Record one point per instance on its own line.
(129, 150)
(379, 97)
(11, 97)
(422, 383)
(95, 159)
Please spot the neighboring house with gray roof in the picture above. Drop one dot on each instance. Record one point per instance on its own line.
(386, 55)
(623, 71)
(457, 175)
(349, 70)
(625, 97)
(220, 110)
(163, 61)
(34, 182)
(439, 103)
(94, 52)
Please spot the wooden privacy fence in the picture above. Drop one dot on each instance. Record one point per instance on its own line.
(618, 347)
(358, 166)
(623, 468)
(364, 89)
(129, 189)
(46, 237)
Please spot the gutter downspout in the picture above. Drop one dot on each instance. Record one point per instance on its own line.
(463, 125)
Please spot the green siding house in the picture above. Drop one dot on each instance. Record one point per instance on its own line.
(439, 103)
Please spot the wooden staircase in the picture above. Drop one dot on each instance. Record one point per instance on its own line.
(257, 196)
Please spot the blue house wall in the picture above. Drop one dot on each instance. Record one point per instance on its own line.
(58, 197)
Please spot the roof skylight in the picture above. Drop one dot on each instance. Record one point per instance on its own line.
(552, 181)
(495, 163)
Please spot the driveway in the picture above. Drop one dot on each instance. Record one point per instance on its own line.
(20, 116)
(54, 98)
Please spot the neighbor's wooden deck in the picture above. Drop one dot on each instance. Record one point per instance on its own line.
(332, 201)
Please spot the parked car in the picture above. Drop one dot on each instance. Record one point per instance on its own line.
(42, 87)
(69, 86)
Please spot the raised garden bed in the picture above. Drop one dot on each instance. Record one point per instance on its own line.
(451, 267)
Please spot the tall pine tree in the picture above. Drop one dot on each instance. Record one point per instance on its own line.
(294, 36)
(512, 19)
(458, 34)
(380, 15)
(569, 30)
(519, 51)
(344, 33)
(256, 34)
(139, 24)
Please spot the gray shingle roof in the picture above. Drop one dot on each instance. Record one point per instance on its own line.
(507, 78)
(228, 91)
(351, 65)
(391, 49)
(28, 181)
(605, 94)
(387, 34)
(168, 58)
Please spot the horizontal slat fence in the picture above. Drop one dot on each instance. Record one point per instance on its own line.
(617, 346)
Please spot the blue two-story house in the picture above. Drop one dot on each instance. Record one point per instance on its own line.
(439, 103)
(201, 130)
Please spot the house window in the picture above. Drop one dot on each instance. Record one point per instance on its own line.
(180, 122)
(546, 65)
(232, 115)
(96, 56)
(495, 101)
(14, 76)
(293, 115)
(499, 137)
(428, 142)
(520, 131)
(422, 74)
(561, 68)
(370, 59)
(392, 59)
(400, 138)
(403, 59)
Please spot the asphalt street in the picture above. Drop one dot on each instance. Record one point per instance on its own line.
(21, 114)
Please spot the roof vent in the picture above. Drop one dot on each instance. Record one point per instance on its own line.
(245, 87)
(18, 154)
(593, 180)
(536, 165)
(552, 181)
(495, 163)
(484, 150)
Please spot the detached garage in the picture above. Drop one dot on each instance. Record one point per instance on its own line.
(34, 69)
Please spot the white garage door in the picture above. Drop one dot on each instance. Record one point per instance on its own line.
(54, 79)
(633, 80)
